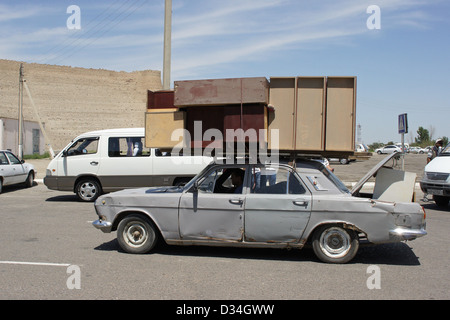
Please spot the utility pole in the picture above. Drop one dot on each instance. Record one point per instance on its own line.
(167, 44)
(20, 126)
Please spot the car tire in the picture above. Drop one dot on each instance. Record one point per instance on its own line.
(137, 234)
(441, 201)
(334, 244)
(379, 152)
(30, 179)
(1, 186)
(88, 190)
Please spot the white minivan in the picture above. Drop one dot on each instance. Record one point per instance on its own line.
(436, 178)
(108, 160)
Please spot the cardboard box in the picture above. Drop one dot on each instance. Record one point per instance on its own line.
(159, 126)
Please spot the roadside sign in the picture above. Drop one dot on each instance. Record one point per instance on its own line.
(403, 123)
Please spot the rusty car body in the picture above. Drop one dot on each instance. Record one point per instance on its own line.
(278, 205)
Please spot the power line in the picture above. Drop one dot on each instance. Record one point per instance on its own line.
(77, 32)
(68, 50)
(104, 32)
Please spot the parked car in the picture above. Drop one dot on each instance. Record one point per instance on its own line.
(341, 160)
(361, 148)
(277, 206)
(401, 147)
(388, 149)
(436, 178)
(417, 150)
(15, 171)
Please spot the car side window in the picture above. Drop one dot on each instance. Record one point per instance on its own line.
(3, 160)
(83, 146)
(13, 159)
(127, 147)
(223, 180)
(275, 180)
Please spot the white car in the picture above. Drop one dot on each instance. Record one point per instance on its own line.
(436, 178)
(388, 149)
(15, 171)
(417, 150)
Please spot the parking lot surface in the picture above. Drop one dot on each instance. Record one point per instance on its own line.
(50, 250)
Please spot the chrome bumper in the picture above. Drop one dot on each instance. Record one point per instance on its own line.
(407, 234)
(105, 226)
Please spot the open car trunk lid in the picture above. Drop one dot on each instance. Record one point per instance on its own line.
(357, 187)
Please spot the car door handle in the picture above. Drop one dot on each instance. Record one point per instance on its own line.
(94, 163)
(236, 201)
(300, 203)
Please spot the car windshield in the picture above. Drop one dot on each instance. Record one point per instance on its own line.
(445, 151)
(188, 185)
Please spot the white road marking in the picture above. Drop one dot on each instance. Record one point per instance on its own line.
(37, 263)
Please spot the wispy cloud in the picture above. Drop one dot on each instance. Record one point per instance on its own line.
(206, 33)
(8, 13)
(232, 33)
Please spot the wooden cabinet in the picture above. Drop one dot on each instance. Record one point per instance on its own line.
(313, 113)
(307, 114)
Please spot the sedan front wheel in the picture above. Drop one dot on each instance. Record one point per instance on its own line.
(136, 234)
(334, 244)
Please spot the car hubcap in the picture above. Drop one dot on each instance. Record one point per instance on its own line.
(135, 235)
(335, 242)
(88, 190)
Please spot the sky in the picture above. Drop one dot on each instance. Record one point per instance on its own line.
(397, 49)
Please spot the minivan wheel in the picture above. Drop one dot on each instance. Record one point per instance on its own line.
(334, 244)
(136, 234)
(88, 190)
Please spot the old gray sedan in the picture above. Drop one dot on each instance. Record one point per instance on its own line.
(256, 205)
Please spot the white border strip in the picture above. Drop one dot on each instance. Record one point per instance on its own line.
(37, 263)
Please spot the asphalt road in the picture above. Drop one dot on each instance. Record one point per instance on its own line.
(49, 250)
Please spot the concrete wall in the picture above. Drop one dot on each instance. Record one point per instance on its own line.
(71, 101)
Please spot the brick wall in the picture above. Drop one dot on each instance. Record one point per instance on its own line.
(71, 101)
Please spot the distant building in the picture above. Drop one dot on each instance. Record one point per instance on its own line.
(33, 139)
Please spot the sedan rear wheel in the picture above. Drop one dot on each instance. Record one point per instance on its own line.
(136, 234)
(334, 244)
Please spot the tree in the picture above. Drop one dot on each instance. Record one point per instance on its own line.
(422, 135)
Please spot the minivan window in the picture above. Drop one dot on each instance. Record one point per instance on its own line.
(83, 146)
(127, 147)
